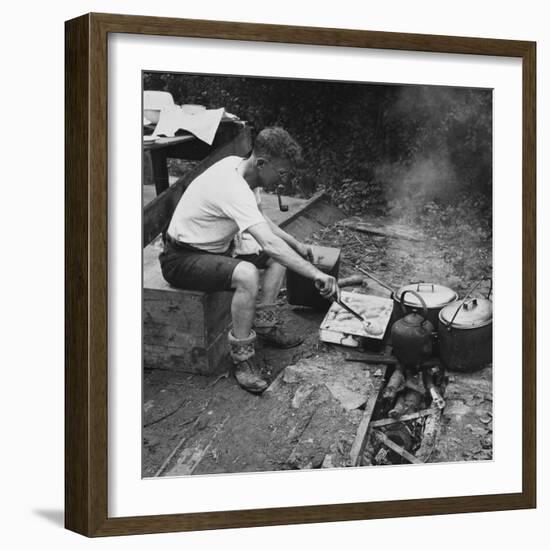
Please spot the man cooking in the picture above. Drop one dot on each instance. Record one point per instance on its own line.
(217, 206)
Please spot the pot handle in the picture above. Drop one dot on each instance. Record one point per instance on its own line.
(419, 284)
(490, 279)
(424, 308)
(470, 303)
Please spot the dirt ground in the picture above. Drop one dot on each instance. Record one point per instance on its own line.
(188, 419)
(176, 404)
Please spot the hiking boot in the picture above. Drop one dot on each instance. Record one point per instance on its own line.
(246, 371)
(272, 330)
(248, 376)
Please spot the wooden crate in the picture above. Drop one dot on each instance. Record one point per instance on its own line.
(184, 329)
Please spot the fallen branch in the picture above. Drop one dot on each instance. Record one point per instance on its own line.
(430, 435)
(394, 233)
(198, 459)
(404, 418)
(397, 449)
(157, 420)
(224, 375)
(379, 359)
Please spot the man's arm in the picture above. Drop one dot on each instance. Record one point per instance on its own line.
(300, 248)
(281, 252)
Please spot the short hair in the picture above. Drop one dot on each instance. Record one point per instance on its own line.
(277, 143)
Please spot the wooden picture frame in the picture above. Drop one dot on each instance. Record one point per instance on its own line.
(86, 230)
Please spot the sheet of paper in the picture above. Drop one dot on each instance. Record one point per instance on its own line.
(203, 124)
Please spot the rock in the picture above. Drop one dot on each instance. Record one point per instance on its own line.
(290, 376)
(349, 398)
(476, 400)
(202, 421)
(151, 441)
(318, 460)
(355, 416)
(456, 408)
(484, 455)
(301, 394)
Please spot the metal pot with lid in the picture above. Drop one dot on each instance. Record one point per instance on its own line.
(466, 332)
(435, 297)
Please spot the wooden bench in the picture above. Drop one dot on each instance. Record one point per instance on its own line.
(184, 329)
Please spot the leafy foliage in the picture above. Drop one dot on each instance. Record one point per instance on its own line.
(371, 146)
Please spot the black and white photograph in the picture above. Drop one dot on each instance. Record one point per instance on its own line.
(317, 274)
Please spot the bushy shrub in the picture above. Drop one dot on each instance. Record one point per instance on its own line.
(365, 144)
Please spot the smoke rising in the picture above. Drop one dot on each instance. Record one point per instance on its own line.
(448, 148)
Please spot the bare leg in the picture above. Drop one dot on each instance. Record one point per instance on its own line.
(273, 279)
(245, 281)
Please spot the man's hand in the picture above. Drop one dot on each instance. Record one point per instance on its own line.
(328, 286)
(275, 247)
(305, 251)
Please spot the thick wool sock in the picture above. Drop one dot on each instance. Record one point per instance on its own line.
(266, 316)
(241, 349)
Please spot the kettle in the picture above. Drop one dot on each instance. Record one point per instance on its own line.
(411, 335)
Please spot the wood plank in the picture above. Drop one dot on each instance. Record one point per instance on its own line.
(217, 307)
(310, 203)
(325, 213)
(204, 315)
(168, 319)
(172, 335)
(362, 434)
(301, 228)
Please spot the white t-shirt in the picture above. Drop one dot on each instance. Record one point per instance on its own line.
(245, 243)
(215, 207)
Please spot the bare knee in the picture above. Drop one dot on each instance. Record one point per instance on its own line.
(246, 277)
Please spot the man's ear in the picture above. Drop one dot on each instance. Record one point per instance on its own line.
(260, 161)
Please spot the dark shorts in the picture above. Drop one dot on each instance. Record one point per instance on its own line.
(189, 268)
